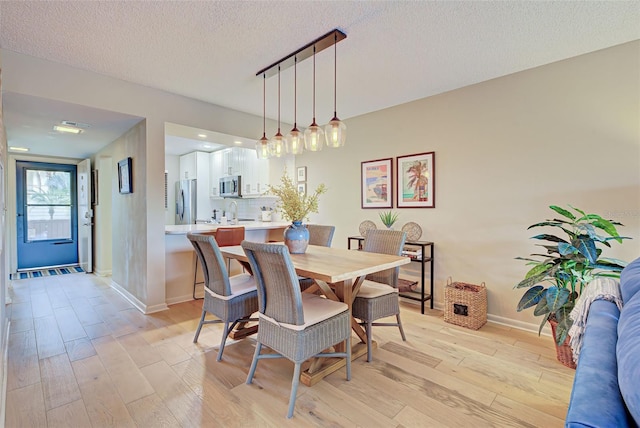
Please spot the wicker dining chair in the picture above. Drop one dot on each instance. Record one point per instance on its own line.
(231, 299)
(378, 295)
(225, 237)
(318, 235)
(295, 325)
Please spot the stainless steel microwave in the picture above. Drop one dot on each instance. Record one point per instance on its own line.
(231, 186)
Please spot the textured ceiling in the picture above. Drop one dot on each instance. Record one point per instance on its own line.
(395, 51)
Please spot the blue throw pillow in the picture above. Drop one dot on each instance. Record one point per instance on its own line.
(627, 352)
(630, 280)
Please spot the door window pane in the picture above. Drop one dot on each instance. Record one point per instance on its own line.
(48, 187)
(48, 222)
(48, 205)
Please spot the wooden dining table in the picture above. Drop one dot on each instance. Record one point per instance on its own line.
(338, 274)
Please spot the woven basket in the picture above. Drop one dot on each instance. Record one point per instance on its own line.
(563, 352)
(465, 304)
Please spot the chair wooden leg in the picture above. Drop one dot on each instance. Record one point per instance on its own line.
(225, 333)
(349, 357)
(195, 339)
(254, 363)
(369, 340)
(400, 327)
(294, 389)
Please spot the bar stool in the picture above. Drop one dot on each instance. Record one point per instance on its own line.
(225, 237)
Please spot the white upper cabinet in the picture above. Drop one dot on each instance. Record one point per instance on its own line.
(240, 161)
(196, 166)
(188, 168)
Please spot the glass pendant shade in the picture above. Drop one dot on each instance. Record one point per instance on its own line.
(277, 146)
(313, 138)
(295, 142)
(262, 147)
(335, 132)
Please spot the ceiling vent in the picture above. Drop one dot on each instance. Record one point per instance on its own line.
(76, 124)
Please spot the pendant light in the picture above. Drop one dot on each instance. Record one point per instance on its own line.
(262, 145)
(295, 138)
(335, 132)
(314, 135)
(277, 143)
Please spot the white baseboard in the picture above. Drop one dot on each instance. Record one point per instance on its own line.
(180, 299)
(100, 272)
(3, 375)
(137, 303)
(508, 322)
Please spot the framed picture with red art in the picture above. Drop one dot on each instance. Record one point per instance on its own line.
(376, 185)
(416, 180)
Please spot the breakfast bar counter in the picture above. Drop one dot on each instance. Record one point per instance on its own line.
(180, 258)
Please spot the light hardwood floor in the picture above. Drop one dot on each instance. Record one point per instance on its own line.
(81, 356)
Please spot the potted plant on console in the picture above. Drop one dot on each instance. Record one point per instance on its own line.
(570, 263)
(295, 206)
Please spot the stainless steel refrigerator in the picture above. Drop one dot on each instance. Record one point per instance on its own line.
(186, 202)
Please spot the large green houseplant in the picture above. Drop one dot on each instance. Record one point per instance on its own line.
(570, 263)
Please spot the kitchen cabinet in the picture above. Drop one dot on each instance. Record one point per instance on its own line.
(195, 166)
(241, 161)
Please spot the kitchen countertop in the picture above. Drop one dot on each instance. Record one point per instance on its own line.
(183, 229)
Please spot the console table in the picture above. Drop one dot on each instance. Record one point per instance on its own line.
(422, 259)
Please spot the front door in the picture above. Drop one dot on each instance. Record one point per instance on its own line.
(47, 222)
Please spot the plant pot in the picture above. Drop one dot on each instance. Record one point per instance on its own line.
(563, 351)
(296, 238)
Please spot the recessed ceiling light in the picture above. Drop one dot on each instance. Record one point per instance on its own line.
(67, 129)
(18, 149)
(202, 135)
(237, 142)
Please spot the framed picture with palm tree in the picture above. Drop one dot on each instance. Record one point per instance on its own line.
(416, 180)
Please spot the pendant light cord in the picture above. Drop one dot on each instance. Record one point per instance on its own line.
(295, 92)
(335, 75)
(314, 84)
(264, 105)
(278, 98)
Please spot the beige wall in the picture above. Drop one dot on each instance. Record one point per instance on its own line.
(124, 221)
(506, 149)
(566, 133)
(4, 277)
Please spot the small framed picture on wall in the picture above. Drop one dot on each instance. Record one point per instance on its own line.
(376, 186)
(125, 181)
(302, 188)
(302, 173)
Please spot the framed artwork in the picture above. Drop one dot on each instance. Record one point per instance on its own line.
(302, 188)
(376, 185)
(416, 178)
(125, 182)
(302, 173)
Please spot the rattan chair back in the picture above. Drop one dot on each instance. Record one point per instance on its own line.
(216, 277)
(385, 241)
(279, 295)
(320, 234)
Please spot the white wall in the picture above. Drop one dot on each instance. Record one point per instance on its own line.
(506, 149)
(172, 166)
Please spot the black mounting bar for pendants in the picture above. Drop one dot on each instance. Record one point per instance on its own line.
(321, 43)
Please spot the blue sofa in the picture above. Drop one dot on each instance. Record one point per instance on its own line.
(606, 388)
